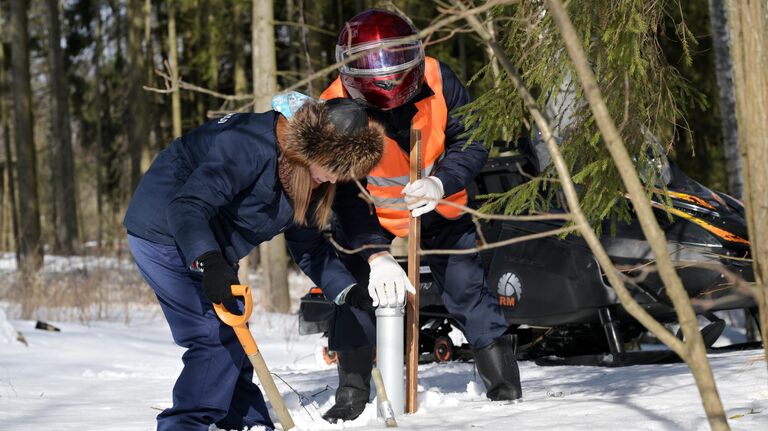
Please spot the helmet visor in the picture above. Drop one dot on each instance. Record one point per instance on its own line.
(379, 58)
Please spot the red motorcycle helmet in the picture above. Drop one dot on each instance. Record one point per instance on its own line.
(379, 67)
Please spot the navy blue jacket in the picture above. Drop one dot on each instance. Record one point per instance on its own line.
(461, 164)
(217, 188)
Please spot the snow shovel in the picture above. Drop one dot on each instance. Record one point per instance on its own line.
(238, 322)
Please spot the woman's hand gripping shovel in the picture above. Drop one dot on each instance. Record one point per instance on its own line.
(238, 322)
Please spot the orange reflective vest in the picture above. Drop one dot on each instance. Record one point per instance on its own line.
(387, 179)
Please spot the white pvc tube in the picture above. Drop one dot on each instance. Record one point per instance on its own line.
(390, 355)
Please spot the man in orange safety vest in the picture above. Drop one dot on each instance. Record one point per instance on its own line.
(385, 67)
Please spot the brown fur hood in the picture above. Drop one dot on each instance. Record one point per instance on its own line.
(312, 137)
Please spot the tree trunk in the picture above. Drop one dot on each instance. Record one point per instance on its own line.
(174, 63)
(724, 71)
(293, 63)
(9, 197)
(8, 235)
(718, 15)
(151, 147)
(137, 119)
(238, 49)
(274, 255)
(62, 162)
(749, 37)
(213, 55)
(305, 45)
(99, 145)
(238, 54)
(29, 246)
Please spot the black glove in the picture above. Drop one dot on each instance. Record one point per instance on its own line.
(358, 297)
(218, 277)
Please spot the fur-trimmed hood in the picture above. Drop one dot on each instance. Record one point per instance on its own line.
(311, 137)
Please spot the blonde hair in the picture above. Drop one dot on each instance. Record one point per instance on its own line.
(304, 194)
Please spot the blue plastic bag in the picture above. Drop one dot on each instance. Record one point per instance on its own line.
(288, 103)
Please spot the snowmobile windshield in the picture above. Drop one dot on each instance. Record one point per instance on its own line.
(656, 171)
(654, 168)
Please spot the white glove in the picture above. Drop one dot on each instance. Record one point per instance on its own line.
(388, 282)
(430, 188)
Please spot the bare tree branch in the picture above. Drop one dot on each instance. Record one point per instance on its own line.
(487, 246)
(307, 26)
(365, 195)
(479, 230)
(171, 86)
(345, 250)
(503, 243)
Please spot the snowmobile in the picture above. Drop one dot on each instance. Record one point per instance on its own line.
(553, 292)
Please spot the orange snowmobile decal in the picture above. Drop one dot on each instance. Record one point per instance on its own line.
(724, 234)
(686, 197)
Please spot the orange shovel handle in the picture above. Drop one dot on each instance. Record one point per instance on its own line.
(238, 321)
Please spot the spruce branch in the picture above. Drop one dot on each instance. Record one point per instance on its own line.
(693, 351)
(572, 198)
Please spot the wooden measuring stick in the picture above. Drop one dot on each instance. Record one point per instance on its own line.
(412, 325)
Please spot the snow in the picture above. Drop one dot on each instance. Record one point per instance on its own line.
(117, 373)
(56, 264)
(113, 376)
(7, 331)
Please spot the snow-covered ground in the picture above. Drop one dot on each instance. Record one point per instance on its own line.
(112, 376)
(116, 373)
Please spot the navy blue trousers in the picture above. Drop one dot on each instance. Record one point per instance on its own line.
(459, 279)
(216, 384)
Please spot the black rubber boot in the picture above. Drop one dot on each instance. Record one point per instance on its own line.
(497, 366)
(354, 385)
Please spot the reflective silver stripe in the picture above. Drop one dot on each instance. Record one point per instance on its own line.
(389, 201)
(396, 181)
(388, 181)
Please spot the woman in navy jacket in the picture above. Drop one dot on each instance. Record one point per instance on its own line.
(206, 202)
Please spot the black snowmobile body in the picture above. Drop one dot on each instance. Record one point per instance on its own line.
(552, 290)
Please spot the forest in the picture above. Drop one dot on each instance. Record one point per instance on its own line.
(91, 128)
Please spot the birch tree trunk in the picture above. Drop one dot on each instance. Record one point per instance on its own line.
(748, 26)
(718, 15)
(62, 162)
(274, 255)
(724, 71)
(29, 246)
(174, 63)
